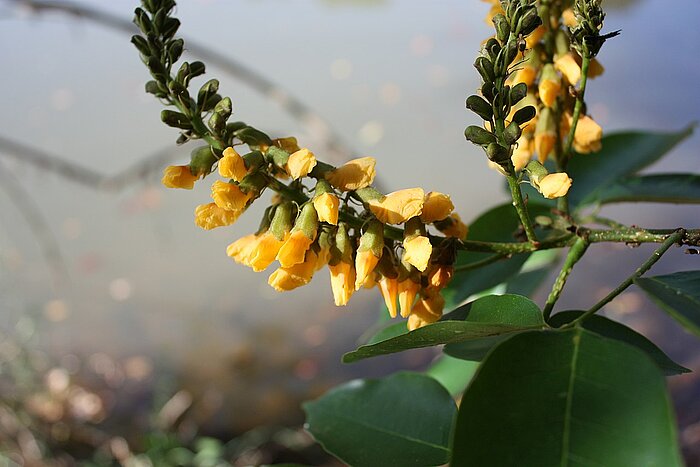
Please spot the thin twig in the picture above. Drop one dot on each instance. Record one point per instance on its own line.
(576, 251)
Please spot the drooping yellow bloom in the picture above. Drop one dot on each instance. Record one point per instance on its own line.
(179, 176)
(365, 262)
(525, 74)
(342, 282)
(568, 66)
(399, 206)
(418, 250)
(327, 205)
(436, 207)
(390, 292)
(427, 310)
(454, 227)
(301, 163)
(553, 185)
(569, 17)
(290, 278)
(240, 249)
(264, 252)
(535, 36)
(550, 85)
(229, 196)
(354, 174)
(588, 135)
(210, 216)
(439, 276)
(545, 135)
(408, 290)
(232, 165)
(294, 249)
(522, 154)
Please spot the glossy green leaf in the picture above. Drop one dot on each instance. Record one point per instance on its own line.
(618, 331)
(499, 224)
(404, 419)
(453, 373)
(661, 188)
(483, 318)
(566, 398)
(511, 309)
(678, 294)
(623, 154)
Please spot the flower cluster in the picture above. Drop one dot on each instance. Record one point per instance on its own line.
(547, 67)
(331, 216)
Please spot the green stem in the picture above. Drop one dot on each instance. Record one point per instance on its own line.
(586, 60)
(576, 251)
(668, 242)
(520, 207)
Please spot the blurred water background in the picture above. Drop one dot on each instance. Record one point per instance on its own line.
(120, 289)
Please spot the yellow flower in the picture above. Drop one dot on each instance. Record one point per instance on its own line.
(535, 36)
(210, 216)
(342, 282)
(427, 310)
(264, 252)
(365, 262)
(301, 163)
(439, 276)
(390, 292)
(399, 206)
(241, 248)
(232, 165)
(545, 135)
(327, 205)
(588, 135)
(179, 176)
(568, 67)
(569, 17)
(288, 144)
(408, 290)
(418, 251)
(550, 85)
(436, 207)
(525, 74)
(353, 175)
(294, 249)
(522, 154)
(284, 279)
(454, 227)
(553, 185)
(229, 196)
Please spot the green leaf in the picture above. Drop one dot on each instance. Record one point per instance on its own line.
(514, 310)
(404, 419)
(678, 294)
(623, 154)
(618, 331)
(453, 373)
(496, 225)
(661, 188)
(566, 398)
(486, 317)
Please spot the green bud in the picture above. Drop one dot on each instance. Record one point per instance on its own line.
(170, 27)
(492, 48)
(529, 22)
(254, 182)
(208, 89)
(266, 219)
(502, 27)
(498, 154)
(512, 133)
(179, 90)
(197, 69)
(183, 73)
(278, 156)
(478, 135)
(175, 49)
(536, 171)
(307, 221)
(480, 107)
(373, 238)
(142, 20)
(518, 93)
(156, 68)
(485, 68)
(175, 119)
(152, 87)
(253, 137)
(224, 108)
(183, 138)
(216, 122)
(282, 220)
(254, 160)
(511, 51)
(524, 115)
(487, 90)
(561, 43)
(202, 159)
(342, 247)
(151, 5)
(142, 45)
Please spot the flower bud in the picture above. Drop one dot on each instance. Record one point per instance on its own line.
(524, 115)
(480, 107)
(389, 288)
(342, 281)
(436, 206)
(416, 245)
(485, 68)
(478, 135)
(554, 185)
(179, 176)
(210, 216)
(353, 175)
(399, 206)
(175, 119)
(300, 163)
(232, 165)
(512, 133)
(326, 203)
(502, 28)
(497, 153)
(550, 85)
(566, 64)
(518, 93)
(408, 290)
(369, 252)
